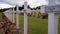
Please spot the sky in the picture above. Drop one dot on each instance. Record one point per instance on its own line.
(3, 5)
(32, 3)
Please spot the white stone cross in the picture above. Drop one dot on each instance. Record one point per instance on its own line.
(13, 16)
(52, 20)
(25, 17)
(52, 9)
(17, 18)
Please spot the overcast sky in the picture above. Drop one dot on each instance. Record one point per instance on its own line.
(32, 3)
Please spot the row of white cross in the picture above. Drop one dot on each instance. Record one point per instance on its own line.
(10, 14)
(52, 20)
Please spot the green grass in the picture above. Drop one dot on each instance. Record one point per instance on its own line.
(35, 25)
(59, 27)
(0, 15)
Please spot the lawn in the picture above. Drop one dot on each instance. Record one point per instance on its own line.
(0, 15)
(37, 25)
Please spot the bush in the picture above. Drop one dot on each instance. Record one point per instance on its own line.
(44, 16)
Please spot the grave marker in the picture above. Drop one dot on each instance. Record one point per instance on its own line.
(25, 17)
(17, 18)
(52, 9)
(13, 16)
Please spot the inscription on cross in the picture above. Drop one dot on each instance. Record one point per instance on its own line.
(52, 9)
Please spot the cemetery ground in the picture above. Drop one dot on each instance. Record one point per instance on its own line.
(36, 25)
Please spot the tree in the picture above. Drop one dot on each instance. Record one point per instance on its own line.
(28, 6)
(34, 8)
(22, 6)
(15, 8)
(38, 7)
(2, 10)
(31, 8)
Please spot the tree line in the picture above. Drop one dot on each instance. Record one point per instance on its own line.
(20, 8)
